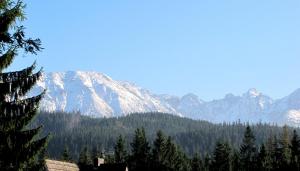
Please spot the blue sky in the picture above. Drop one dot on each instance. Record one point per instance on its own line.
(206, 47)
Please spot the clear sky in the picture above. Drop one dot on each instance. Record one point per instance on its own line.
(208, 47)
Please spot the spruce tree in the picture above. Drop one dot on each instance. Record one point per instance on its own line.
(85, 162)
(276, 154)
(270, 150)
(120, 151)
(248, 151)
(96, 152)
(285, 149)
(66, 155)
(174, 159)
(140, 151)
(222, 155)
(295, 151)
(196, 163)
(207, 162)
(264, 160)
(20, 146)
(158, 152)
(235, 160)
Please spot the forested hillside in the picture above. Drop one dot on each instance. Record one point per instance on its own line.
(75, 132)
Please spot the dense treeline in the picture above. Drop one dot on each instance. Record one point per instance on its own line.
(277, 153)
(74, 132)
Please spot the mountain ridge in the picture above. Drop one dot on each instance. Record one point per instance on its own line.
(98, 95)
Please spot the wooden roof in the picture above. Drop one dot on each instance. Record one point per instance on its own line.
(54, 165)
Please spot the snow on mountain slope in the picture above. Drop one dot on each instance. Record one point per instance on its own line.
(98, 95)
(250, 106)
(95, 94)
(286, 110)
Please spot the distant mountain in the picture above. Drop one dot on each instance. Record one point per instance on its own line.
(97, 95)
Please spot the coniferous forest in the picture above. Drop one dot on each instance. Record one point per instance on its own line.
(142, 141)
(159, 141)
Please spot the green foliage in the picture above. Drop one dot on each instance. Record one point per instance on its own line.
(20, 147)
(222, 156)
(158, 156)
(207, 162)
(85, 162)
(120, 151)
(140, 151)
(248, 151)
(171, 141)
(235, 160)
(192, 136)
(196, 163)
(295, 151)
(285, 150)
(264, 160)
(66, 155)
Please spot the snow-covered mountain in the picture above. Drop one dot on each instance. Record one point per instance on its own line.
(98, 95)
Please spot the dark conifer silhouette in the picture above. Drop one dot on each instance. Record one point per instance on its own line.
(85, 162)
(222, 156)
(159, 152)
(248, 151)
(120, 150)
(19, 145)
(66, 155)
(140, 151)
(295, 151)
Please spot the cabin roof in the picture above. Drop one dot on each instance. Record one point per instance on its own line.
(54, 165)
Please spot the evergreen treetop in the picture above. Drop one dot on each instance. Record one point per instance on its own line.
(222, 155)
(19, 146)
(248, 151)
(120, 151)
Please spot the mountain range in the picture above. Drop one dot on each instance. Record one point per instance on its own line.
(97, 95)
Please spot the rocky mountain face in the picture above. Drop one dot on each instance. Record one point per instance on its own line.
(97, 95)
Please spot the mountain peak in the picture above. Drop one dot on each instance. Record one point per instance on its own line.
(190, 97)
(229, 96)
(96, 94)
(253, 93)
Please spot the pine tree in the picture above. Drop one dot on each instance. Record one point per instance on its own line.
(140, 151)
(295, 151)
(196, 163)
(248, 152)
(158, 152)
(66, 155)
(120, 151)
(276, 154)
(285, 149)
(270, 147)
(85, 162)
(19, 145)
(96, 153)
(235, 160)
(207, 162)
(174, 159)
(221, 161)
(264, 159)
